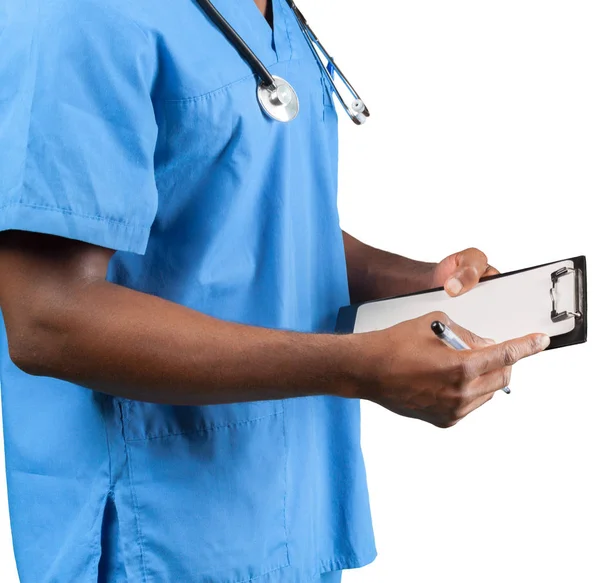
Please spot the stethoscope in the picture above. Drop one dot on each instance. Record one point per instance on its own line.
(275, 95)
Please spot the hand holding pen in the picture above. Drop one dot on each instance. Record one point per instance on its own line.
(449, 338)
(406, 368)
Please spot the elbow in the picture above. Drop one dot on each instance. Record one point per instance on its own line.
(33, 345)
(26, 354)
(25, 364)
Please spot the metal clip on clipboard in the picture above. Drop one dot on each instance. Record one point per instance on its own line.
(555, 277)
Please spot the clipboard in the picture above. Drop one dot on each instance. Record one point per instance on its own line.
(549, 298)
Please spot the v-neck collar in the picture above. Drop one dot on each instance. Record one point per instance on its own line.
(270, 45)
(269, 9)
(269, 31)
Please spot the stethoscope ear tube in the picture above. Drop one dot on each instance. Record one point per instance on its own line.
(357, 111)
(275, 95)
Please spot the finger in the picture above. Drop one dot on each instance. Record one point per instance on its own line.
(475, 404)
(470, 266)
(507, 353)
(470, 338)
(489, 383)
(490, 271)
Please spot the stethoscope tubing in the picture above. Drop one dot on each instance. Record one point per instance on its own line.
(238, 42)
(359, 113)
(311, 36)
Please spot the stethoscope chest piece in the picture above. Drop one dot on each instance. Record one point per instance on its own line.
(279, 101)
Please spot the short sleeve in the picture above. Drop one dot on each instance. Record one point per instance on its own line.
(77, 123)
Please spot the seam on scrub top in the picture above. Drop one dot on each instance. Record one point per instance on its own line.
(136, 512)
(80, 215)
(347, 561)
(206, 429)
(34, 37)
(97, 541)
(209, 94)
(287, 29)
(263, 574)
(105, 411)
(285, 464)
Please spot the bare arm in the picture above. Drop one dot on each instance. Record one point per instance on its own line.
(374, 273)
(65, 320)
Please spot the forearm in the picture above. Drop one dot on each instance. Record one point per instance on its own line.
(374, 273)
(134, 345)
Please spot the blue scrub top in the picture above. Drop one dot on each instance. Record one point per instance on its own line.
(135, 126)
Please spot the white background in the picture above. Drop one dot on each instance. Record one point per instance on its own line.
(486, 122)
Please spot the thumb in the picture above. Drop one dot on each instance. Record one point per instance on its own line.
(509, 352)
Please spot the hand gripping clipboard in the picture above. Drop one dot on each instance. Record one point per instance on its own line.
(549, 298)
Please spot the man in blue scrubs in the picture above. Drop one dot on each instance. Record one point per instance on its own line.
(176, 406)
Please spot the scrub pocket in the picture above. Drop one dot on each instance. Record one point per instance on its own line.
(208, 488)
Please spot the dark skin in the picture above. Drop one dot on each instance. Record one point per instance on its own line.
(375, 274)
(64, 320)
